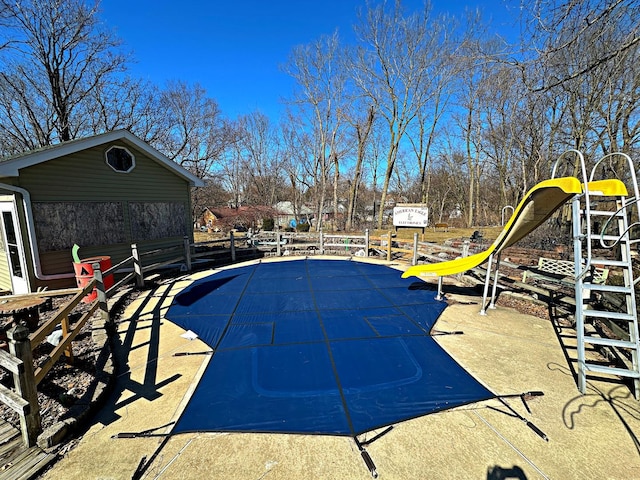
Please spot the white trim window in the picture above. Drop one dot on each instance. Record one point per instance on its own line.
(120, 159)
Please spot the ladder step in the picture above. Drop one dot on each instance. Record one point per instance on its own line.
(606, 213)
(607, 288)
(610, 342)
(609, 263)
(610, 315)
(609, 237)
(622, 372)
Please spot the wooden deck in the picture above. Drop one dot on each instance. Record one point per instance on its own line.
(18, 462)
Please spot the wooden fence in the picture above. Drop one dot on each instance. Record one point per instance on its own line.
(23, 398)
(385, 245)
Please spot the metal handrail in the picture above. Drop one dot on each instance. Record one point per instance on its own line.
(629, 201)
(587, 200)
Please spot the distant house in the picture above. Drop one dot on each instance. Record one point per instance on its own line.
(207, 220)
(328, 212)
(286, 214)
(103, 193)
(227, 218)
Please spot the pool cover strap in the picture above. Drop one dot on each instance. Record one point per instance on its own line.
(145, 433)
(524, 397)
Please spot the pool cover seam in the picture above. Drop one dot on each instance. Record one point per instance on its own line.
(266, 312)
(327, 343)
(310, 342)
(397, 307)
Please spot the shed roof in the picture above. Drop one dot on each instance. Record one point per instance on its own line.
(249, 211)
(11, 166)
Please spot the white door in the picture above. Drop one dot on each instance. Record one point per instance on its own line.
(13, 248)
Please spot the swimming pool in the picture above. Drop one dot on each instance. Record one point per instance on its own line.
(337, 347)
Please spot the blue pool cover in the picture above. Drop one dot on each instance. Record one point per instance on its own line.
(317, 346)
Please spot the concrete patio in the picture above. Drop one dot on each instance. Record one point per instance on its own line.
(591, 436)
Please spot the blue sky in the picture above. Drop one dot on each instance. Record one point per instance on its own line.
(234, 49)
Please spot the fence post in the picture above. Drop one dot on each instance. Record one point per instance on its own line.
(25, 383)
(389, 246)
(252, 243)
(65, 331)
(321, 237)
(233, 247)
(187, 252)
(278, 236)
(137, 266)
(366, 242)
(415, 249)
(465, 253)
(102, 294)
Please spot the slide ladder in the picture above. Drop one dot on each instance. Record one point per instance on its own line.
(597, 228)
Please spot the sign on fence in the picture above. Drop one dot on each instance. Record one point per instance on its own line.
(414, 215)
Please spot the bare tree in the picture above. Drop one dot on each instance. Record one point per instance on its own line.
(58, 56)
(26, 120)
(374, 163)
(470, 118)
(194, 132)
(391, 69)
(128, 103)
(362, 127)
(587, 66)
(259, 149)
(620, 106)
(425, 135)
(555, 26)
(439, 85)
(213, 194)
(233, 176)
(6, 20)
(501, 102)
(297, 151)
(321, 83)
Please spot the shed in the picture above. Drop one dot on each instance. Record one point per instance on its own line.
(103, 193)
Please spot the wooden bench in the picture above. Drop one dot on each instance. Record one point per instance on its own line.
(561, 271)
(443, 226)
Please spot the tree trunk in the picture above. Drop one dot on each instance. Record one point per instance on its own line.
(362, 135)
(391, 160)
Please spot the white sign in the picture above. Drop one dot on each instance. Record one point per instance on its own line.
(410, 216)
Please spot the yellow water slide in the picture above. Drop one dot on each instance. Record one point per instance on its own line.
(537, 206)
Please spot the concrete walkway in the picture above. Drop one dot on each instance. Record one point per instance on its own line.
(595, 436)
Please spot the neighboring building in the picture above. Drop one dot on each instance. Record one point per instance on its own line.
(286, 214)
(241, 218)
(207, 221)
(328, 213)
(372, 212)
(103, 193)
